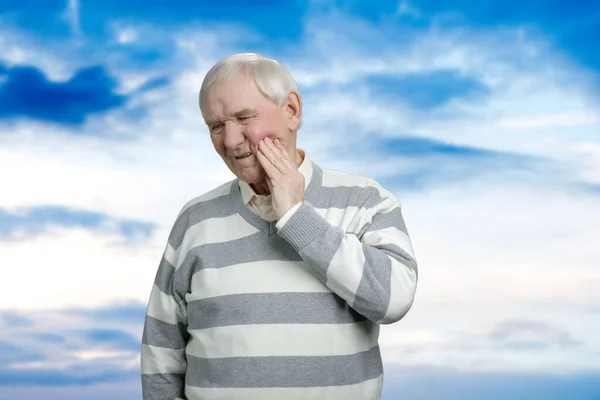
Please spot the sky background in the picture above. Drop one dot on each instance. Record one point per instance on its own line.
(482, 117)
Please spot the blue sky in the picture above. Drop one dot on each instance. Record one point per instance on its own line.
(482, 117)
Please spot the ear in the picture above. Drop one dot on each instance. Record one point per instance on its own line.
(293, 110)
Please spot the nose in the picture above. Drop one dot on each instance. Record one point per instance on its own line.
(234, 135)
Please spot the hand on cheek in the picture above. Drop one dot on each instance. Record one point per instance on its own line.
(285, 182)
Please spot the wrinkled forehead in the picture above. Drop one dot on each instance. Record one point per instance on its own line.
(229, 97)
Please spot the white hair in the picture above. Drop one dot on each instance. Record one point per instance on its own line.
(271, 77)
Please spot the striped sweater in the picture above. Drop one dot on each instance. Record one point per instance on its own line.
(247, 308)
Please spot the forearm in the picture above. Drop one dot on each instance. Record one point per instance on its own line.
(376, 276)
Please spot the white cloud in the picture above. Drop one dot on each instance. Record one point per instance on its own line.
(127, 36)
(535, 94)
(72, 13)
(406, 8)
(77, 268)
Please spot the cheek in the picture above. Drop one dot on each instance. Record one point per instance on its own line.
(255, 135)
(218, 145)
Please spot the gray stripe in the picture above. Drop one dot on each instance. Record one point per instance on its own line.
(161, 334)
(215, 208)
(338, 196)
(373, 293)
(302, 229)
(265, 372)
(162, 386)
(271, 308)
(389, 219)
(316, 256)
(346, 196)
(315, 186)
(248, 249)
(174, 282)
(402, 256)
(219, 255)
(164, 276)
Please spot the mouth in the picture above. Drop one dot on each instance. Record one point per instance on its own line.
(243, 156)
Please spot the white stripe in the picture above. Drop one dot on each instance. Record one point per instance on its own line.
(344, 218)
(345, 270)
(367, 390)
(159, 360)
(255, 277)
(333, 178)
(283, 340)
(222, 190)
(390, 235)
(214, 230)
(164, 307)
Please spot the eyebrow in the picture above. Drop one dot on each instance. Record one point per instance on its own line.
(245, 111)
(237, 114)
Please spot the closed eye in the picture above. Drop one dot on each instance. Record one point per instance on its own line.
(216, 128)
(245, 118)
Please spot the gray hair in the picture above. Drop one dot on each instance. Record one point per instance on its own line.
(271, 77)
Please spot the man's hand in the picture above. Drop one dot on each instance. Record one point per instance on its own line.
(285, 182)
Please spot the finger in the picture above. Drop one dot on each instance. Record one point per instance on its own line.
(273, 154)
(268, 166)
(283, 160)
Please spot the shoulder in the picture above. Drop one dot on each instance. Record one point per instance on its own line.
(364, 186)
(211, 196)
(197, 209)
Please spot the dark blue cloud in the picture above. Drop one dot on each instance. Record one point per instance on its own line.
(428, 90)
(26, 92)
(152, 84)
(431, 162)
(12, 318)
(113, 338)
(129, 313)
(593, 188)
(10, 353)
(35, 221)
(448, 384)
(48, 337)
(129, 389)
(80, 375)
(417, 147)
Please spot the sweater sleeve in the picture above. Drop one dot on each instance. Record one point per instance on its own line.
(165, 334)
(373, 270)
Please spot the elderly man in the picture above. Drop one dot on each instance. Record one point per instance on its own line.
(273, 285)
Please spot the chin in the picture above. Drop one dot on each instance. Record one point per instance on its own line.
(252, 176)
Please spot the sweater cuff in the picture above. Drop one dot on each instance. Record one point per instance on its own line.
(283, 220)
(303, 227)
